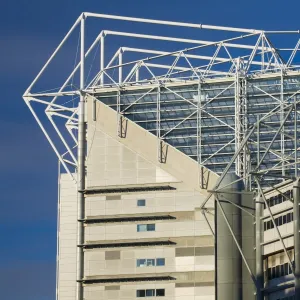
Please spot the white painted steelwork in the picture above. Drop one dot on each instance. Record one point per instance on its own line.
(230, 104)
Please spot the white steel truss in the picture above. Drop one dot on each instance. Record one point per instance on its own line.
(231, 104)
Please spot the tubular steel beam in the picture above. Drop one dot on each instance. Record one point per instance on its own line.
(81, 169)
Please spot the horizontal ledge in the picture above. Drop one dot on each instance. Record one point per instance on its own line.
(133, 279)
(127, 219)
(229, 192)
(129, 189)
(276, 240)
(127, 244)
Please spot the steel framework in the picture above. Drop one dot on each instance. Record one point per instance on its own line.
(231, 104)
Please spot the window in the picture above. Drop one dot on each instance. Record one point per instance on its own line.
(160, 292)
(275, 200)
(278, 221)
(160, 261)
(279, 271)
(141, 263)
(141, 202)
(141, 227)
(145, 227)
(150, 293)
(150, 262)
(284, 219)
(141, 293)
(150, 227)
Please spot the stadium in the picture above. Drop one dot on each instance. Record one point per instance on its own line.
(178, 155)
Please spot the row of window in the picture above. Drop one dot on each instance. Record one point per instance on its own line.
(279, 271)
(145, 227)
(280, 198)
(150, 262)
(150, 293)
(278, 221)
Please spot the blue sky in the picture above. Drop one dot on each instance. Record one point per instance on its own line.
(29, 31)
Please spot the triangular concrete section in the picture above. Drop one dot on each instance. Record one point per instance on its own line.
(111, 163)
(133, 158)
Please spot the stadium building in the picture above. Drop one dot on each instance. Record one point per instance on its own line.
(178, 159)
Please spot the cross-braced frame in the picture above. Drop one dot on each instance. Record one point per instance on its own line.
(231, 104)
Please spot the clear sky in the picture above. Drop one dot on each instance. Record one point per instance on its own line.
(29, 31)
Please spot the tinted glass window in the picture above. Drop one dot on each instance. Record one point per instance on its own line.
(141, 293)
(141, 263)
(145, 227)
(160, 292)
(141, 202)
(150, 227)
(150, 293)
(141, 227)
(150, 262)
(160, 261)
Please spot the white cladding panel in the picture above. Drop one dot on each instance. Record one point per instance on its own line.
(67, 239)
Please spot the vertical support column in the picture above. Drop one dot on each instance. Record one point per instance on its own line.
(159, 145)
(102, 59)
(81, 171)
(259, 206)
(241, 122)
(296, 195)
(262, 54)
(120, 66)
(282, 117)
(296, 137)
(137, 73)
(199, 138)
(228, 257)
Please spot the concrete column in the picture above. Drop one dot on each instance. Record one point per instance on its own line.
(259, 207)
(296, 195)
(228, 258)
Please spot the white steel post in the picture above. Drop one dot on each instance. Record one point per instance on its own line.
(137, 73)
(102, 59)
(81, 171)
(159, 149)
(120, 66)
(259, 206)
(282, 137)
(296, 196)
(199, 137)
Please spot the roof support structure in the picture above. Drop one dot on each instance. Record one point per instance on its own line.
(231, 104)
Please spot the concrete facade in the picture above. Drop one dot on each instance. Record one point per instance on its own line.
(144, 231)
(161, 246)
(278, 275)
